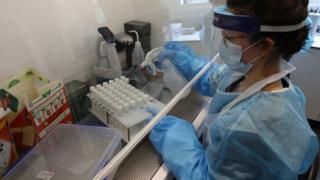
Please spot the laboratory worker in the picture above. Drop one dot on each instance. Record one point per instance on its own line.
(256, 127)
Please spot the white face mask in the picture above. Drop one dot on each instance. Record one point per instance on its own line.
(231, 55)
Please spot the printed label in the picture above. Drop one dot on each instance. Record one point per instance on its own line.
(45, 175)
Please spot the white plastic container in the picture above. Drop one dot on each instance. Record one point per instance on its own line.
(72, 152)
(137, 53)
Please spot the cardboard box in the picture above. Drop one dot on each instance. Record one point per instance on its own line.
(37, 106)
(47, 106)
(8, 153)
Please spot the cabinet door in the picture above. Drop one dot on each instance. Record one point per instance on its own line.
(307, 77)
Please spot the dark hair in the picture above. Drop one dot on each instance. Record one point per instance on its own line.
(277, 12)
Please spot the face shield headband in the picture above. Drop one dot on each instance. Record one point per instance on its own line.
(226, 20)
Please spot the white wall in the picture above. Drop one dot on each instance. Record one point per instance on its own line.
(306, 77)
(56, 37)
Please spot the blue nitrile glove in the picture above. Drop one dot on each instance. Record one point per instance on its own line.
(166, 54)
(180, 47)
(158, 60)
(172, 51)
(153, 111)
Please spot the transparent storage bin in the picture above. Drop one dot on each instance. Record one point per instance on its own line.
(69, 152)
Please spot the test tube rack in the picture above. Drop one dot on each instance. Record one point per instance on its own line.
(120, 105)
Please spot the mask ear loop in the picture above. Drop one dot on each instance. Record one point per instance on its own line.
(255, 59)
(252, 45)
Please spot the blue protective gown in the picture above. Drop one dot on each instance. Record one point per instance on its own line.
(265, 136)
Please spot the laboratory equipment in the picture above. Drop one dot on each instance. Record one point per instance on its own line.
(70, 152)
(134, 73)
(120, 105)
(124, 38)
(140, 32)
(149, 60)
(144, 30)
(138, 53)
(108, 65)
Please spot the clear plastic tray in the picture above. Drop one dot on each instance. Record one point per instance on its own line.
(69, 152)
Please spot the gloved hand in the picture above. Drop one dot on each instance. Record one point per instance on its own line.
(158, 61)
(166, 54)
(153, 111)
(169, 130)
(172, 49)
(165, 123)
(175, 52)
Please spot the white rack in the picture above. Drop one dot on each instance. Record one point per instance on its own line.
(120, 105)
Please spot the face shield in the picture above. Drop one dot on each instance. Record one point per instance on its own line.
(238, 25)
